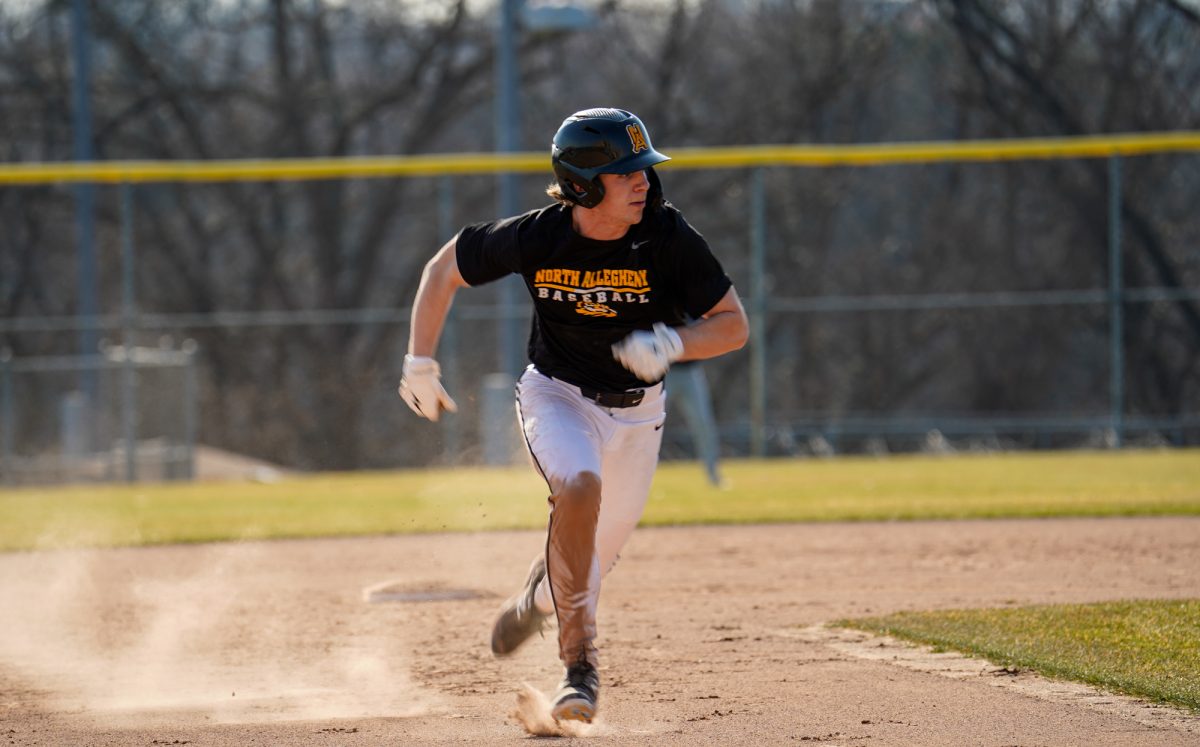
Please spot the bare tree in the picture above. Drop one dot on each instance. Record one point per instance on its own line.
(270, 79)
(305, 78)
(1075, 68)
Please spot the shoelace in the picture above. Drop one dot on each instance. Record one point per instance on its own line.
(527, 607)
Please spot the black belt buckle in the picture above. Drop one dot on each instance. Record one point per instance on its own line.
(614, 399)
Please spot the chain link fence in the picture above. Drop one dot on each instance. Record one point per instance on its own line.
(137, 422)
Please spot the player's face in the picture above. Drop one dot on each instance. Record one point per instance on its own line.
(624, 197)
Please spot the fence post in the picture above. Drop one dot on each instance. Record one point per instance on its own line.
(85, 214)
(1115, 304)
(129, 412)
(191, 407)
(6, 414)
(758, 312)
(507, 101)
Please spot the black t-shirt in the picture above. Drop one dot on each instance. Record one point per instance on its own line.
(588, 294)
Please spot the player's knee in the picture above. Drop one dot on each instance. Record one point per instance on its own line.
(579, 492)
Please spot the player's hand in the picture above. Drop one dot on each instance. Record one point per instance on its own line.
(421, 387)
(649, 353)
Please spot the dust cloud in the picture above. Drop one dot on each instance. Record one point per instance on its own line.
(532, 712)
(207, 632)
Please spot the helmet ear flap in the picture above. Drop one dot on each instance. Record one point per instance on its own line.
(577, 187)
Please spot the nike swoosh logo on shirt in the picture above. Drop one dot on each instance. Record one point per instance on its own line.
(637, 244)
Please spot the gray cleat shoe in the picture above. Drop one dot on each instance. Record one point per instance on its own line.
(578, 694)
(520, 618)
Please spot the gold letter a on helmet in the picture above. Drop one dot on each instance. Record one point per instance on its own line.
(637, 138)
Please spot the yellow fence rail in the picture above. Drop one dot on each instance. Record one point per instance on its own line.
(304, 169)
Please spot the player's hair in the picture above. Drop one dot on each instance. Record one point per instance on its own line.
(554, 190)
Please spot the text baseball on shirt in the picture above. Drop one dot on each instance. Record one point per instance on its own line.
(592, 290)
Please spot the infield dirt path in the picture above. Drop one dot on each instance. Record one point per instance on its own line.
(707, 637)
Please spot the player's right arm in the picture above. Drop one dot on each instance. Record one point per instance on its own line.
(439, 282)
(420, 384)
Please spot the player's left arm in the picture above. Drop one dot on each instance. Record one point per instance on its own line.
(721, 329)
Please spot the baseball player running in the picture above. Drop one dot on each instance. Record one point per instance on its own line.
(615, 273)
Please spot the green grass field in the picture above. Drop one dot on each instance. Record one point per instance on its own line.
(1149, 649)
(1099, 483)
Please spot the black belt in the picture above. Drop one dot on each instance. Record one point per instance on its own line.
(614, 399)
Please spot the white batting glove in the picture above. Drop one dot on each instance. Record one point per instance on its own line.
(649, 353)
(421, 387)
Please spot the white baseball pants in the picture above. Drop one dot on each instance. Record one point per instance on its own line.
(598, 462)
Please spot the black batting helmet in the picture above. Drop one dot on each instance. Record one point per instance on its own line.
(599, 141)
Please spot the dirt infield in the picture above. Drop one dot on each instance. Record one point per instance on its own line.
(708, 637)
